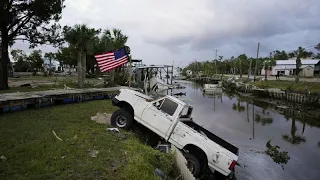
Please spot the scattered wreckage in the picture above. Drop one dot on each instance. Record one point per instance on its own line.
(171, 119)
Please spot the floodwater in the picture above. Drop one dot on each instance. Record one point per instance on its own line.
(249, 127)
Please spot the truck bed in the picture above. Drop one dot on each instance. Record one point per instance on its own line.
(213, 137)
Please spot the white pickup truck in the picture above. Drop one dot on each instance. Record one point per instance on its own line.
(170, 118)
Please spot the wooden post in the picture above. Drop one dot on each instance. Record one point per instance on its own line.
(79, 69)
(171, 74)
(130, 71)
(167, 75)
(256, 68)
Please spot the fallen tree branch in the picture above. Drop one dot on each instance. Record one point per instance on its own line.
(54, 133)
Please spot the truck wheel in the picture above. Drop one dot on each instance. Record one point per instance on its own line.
(122, 119)
(193, 164)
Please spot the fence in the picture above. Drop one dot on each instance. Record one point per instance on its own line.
(279, 94)
(182, 165)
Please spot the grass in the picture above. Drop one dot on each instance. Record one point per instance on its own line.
(313, 87)
(31, 150)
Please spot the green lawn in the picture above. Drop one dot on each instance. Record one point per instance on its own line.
(313, 87)
(31, 150)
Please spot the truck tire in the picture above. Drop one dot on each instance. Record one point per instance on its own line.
(122, 119)
(193, 164)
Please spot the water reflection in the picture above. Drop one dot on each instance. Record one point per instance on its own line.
(229, 94)
(293, 139)
(253, 121)
(214, 96)
(263, 120)
(238, 107)
(249, 124)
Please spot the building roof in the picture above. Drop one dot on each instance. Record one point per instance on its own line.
(303, 62)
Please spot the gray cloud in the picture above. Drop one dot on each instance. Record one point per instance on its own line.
(184, 30)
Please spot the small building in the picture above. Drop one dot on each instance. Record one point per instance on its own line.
(307, 71)
(308, 68)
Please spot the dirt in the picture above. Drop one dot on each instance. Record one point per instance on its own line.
(102, 118)
(32, 82)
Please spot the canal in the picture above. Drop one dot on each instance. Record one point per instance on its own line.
(249, 126)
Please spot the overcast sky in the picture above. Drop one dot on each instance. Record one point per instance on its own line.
(163, 31)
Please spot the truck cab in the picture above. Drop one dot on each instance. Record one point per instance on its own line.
(170, 118)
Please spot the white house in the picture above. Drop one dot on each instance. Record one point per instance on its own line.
(55, 66)
(308, 68)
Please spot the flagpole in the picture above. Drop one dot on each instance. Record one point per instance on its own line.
(130, 71)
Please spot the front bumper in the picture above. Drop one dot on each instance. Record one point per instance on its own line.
(115, 101)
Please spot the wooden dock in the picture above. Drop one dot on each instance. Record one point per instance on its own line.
(22, 100)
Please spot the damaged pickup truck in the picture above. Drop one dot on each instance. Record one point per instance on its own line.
(170, 118)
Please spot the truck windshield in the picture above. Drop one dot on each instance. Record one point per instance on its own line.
(186, 112)
(168, 106)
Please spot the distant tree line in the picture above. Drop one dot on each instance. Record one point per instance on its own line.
(241, 65)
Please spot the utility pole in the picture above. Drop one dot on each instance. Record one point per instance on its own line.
(249, 71)
(256, 68)
(215, 59)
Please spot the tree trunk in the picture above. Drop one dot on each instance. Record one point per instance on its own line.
(79, 69)
(240, 69)
(297, 73)
(4, 60)
(84, 66)
(249, 70)
(265, 75)
(112, 76)
(50, 67)
(70, 66)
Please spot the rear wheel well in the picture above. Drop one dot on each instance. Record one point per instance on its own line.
(195, 150)
(126, 106)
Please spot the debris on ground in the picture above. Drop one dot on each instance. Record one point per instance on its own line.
(62, 157)
(165, 148)
(180, 94)
(102, 118)
(275, 153)
(3, 158)
(54, 133)
(25, 85)
(113, 130)
(66, 87)
(93, 153)
(160, 173)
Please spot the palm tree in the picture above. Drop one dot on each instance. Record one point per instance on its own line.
(300, 53)
(114, 39)
(240, 61)
(50, 56)
(293, 139)
(268, 64)
(81, 38)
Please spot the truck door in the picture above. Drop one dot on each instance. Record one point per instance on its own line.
(159, 116)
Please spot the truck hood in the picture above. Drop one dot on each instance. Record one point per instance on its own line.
(143, 96)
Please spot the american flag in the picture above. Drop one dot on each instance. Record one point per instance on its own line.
(111, 60)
